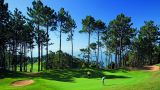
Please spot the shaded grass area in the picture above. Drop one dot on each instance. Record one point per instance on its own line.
(157, 64)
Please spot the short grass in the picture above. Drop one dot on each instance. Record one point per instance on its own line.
(157, 64)
(77, 80)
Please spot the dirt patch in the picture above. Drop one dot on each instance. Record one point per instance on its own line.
(22, 82)
(146, 68)
(152, 68)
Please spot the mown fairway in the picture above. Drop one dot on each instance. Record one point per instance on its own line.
(77, 80)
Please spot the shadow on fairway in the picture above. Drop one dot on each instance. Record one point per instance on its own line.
(11, 74)
(60, 75)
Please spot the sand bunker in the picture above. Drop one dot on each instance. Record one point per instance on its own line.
(22, 82)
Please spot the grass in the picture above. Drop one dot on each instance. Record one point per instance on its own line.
(157, 64)
(35, 67)
(77, 80)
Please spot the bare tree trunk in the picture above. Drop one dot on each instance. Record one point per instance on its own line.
(25, 60)
(41, 56)
(72, 47)
(106, 60)
(15, 66)
(120, 50)
(47, 50)
(25, 56)
(31, 70)
(4, 58)
(21, 53)
(98, 51)
(60, 61)
(9, 57)
(116, 61)
(110, 60)
(24, 68)
(89, 36)
(101, 54)
(39, 59)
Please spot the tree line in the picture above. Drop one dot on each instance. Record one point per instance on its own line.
(19, 35)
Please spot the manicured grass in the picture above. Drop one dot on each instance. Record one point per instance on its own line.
(35, 67)
(157, 64)
(77, 80)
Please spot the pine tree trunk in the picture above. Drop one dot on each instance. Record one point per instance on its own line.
(25, 60)
(72, 47)
(31, 70)
(41, 56)
(4, 58)
(9, 57)
(120, 50)
(97, 66)
(97, 52)
(116, 61)
(101, 54)
(21, 57)
(39, 59)
(110, 60)
(47, 50)
(60, 61)
(106, 60)
(15, 67)
(25, 56)
(13, 56)
(89, 36)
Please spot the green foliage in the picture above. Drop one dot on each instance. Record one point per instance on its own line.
(121, 27)
(4, 18)
(93, 46)
(66, 59)
(88, 24)
(36, 12)
(84, 53)
(49, 17)
(118, 37)
(145, 49)
(99, 26)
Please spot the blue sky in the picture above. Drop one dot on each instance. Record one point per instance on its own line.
(106, 10)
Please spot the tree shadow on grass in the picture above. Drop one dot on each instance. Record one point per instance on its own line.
(118, 70)
(11, 74)
(60, 75)
(115, 77)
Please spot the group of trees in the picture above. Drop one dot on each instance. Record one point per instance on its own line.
(13, 28)
(20, 34)
(90, 25)
(68, 60)
(130, 46)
